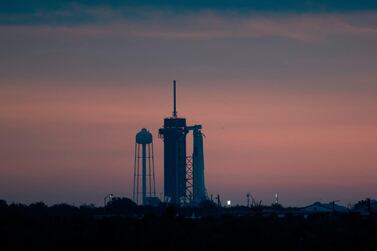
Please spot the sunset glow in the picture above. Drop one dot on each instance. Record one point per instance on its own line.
(287, 100)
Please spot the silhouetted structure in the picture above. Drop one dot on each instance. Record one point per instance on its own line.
(144, 140)
(123, 225)
(183, 175)
(199, 189)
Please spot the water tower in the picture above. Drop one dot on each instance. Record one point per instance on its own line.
(144, 177)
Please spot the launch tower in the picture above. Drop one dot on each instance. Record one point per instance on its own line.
(183, 175)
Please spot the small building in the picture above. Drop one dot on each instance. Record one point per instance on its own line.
(319, 207)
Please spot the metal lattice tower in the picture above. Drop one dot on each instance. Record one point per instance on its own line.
(144, 177)
(189, 178)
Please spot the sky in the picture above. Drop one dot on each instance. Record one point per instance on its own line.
(286, 92)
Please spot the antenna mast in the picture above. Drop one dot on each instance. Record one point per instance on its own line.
(175, 100)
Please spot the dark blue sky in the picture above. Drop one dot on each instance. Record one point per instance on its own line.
(51, 12)
(25, 6)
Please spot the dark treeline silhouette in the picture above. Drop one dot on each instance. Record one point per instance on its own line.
(123, 225)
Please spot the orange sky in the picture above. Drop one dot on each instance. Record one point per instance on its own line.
(76, 144)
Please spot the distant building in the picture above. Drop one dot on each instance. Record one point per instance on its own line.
(318, 207)
(365, 207)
